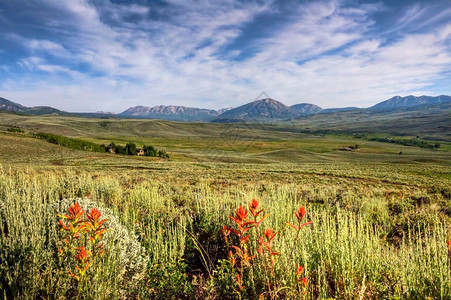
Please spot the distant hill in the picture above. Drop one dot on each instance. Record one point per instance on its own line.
(171, 112)
(304, 109)
(340, 109)
(35, 110)
(5, 104)
(409, 101)
(261, 110)
(223, 110)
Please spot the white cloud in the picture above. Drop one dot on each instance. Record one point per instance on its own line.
(322, 53)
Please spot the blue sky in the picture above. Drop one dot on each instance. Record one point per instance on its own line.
(80, 55)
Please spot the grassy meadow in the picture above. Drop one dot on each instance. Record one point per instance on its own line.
(381, 219)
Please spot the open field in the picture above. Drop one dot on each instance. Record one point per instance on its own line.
(380, 219)
(255, 143)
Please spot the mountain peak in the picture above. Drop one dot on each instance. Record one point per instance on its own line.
(170, 112)
(266, 109)
(409, 101)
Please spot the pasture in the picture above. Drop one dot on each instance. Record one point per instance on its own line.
(381, 220)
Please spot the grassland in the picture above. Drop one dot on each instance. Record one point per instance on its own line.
(380, 219)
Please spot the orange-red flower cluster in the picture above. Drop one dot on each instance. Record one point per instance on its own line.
(83, 260)
(253, 208)
(76, 224)
(240, 257)
(265, 242)
(300, 213)
(95, 228)
(301, 280)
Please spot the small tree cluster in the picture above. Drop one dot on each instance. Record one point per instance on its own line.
(153, 152)
(130, 149)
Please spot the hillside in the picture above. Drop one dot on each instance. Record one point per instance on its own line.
(257, 111)
(36, 110)
(5, 104)
(170, 112)
(410, 101)
(304, 109)
(266, 111)
(427, 121)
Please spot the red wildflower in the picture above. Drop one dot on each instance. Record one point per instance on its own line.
(300, 213)
(82, 254)
(269, 234)
(240, 216)
(299, 271)
(75, 213)
(304, 281)
(75, 217)
(94, 225)
(253, 208)
(94, 215)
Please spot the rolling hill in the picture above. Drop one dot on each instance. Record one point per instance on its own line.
(35, 110)
(257, 111)
(409, 101)
(268, 111)
(5, 104)
(171, 112)
(304, 109)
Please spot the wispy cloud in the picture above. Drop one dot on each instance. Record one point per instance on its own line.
(106, 56)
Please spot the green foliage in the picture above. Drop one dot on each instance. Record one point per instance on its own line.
(15, 130)
(153, 152)
(67, 142)
(130, 149)
(150, 151)
(406, 142)
(77, 144)
(164, 237)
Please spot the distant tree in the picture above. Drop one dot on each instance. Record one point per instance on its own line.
(149, 151)
(111, 147)
(130, 149)
(119, 149)
(163, 154)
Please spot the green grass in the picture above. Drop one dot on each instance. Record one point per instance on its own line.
(226, 142)
(163, 207)
(380, 219)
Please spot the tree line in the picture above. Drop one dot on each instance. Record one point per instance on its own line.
(407, 142)
(77, 144)
(130, 149)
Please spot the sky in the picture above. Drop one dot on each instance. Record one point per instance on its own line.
(108, 55)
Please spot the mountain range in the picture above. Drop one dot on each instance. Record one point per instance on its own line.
(410, 101)
(36, 110)
(172, 113)
(263, 110)
(266, 110)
